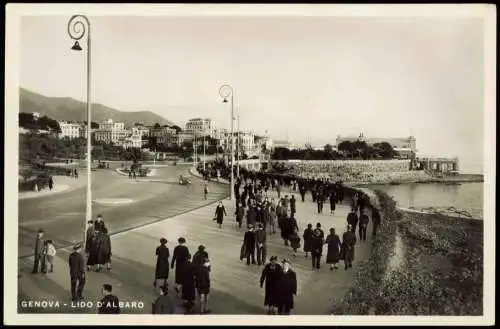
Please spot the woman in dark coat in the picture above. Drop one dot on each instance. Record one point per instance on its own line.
(220, 212)
(179, 260)
(289, 227)
(271, 275)
(333, 252)
(308, 235)
(287, 288)
(188, 284)
(105, 249)
(162, 264)
(333, 201)
(93, 259)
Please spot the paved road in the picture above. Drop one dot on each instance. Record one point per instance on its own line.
(62, 215)
(234, 286)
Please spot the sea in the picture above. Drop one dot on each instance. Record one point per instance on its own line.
(465, 196)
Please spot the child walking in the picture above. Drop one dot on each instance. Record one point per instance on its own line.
(50, 252)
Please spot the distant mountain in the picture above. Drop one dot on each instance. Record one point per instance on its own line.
(69, 109)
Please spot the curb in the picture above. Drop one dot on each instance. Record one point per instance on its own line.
(195, 173)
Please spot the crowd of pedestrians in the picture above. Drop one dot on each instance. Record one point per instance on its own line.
(262, 215)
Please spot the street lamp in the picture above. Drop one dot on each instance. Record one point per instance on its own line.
(227, 91)
(238, 146)
(79, 27)
(204, 132)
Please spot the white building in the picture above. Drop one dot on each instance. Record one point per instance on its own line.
(70, 130)
(200, 126)
(111, 132)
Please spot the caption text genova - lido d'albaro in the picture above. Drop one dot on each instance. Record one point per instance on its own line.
(79, 304)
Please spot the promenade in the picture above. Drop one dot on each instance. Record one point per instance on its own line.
(235, 286)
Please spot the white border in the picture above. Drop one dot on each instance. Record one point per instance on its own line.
(15, 11)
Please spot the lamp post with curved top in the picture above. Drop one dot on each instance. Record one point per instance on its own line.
(78, 28)
(226, 91)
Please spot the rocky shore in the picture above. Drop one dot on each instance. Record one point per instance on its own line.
(420, 179)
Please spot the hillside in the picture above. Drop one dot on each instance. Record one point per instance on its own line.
(69, 109)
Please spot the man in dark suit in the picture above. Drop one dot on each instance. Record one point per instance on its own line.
(249, 242)
(77, 272)
(39, 252)
(109, 304)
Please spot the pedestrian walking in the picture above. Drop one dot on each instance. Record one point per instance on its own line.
(77, 272)
(240, 213)
(271, 275)
(295, 242)
(89, 235)
(261, 244)
(319, 200)
(289, 227)
(163, 304)
(179, 260)
(99, 223)
(302, 191)
(76, 173)
(105, 250)
(293, 208)
(363, 225)
(317, 246)
(51, 183)
(333, 249)
(93, 256)
(109, 304)
(287, 289)
(220, 212)
(203, 285)
(162, 268)
(205, 191)
(249, 241)
(199, 256)
(352, 219)
(272, 218)
(39, 263)
(188, 285)
(308, 236)
(50, 252)
(333, 201)
(348, 242)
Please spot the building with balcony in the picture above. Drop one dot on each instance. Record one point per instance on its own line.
(200, 127)
(69, 129)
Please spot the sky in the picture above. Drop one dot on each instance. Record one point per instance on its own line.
(308, 78)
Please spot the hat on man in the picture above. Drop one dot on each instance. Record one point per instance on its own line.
(41, 230)
(201, 247)
(285, 261)
(77, 246)
(273, 258)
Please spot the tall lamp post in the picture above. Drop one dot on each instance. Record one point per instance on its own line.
(79, 27)
(204, 154)
(238, 145)
(227, 91)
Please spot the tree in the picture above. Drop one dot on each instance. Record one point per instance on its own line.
(177, 129)
(328, 148)
(385, 150)
(346, 147)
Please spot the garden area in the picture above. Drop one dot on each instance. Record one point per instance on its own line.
(421, 264)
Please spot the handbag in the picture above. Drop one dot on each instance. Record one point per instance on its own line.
(242, 251)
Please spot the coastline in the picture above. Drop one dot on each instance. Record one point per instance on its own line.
(445, 179)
